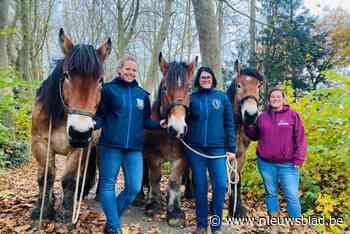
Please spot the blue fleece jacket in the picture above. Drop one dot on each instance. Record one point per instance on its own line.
(211, 121)
(123, 114)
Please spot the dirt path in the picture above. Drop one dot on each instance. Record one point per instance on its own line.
(18, 192)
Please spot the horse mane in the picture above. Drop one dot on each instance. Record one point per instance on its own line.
(48, 95)
(177, 70)
(231, 91)
(82, 60)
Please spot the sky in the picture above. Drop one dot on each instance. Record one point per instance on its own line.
(317, 7)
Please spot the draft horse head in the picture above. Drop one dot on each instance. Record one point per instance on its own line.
(246, 86)
(174, 93)
(80, 86)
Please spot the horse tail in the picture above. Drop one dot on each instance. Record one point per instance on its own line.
(91, 171)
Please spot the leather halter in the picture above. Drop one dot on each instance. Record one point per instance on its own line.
(179, 102)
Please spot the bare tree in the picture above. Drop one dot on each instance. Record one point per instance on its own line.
(12, 40)
(207, 24)
(24, 53)
(3, 35)
(252, 34)
(152, 74)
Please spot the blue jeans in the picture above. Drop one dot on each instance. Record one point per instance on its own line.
(288, 176)
(110, 161)
(218, 177)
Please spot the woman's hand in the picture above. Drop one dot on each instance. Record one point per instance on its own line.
(230, 156)
(163, 123)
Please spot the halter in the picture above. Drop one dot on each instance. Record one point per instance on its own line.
(167, 109)
(248, 97)
(68, 109)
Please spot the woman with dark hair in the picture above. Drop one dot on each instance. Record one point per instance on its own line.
(281, 150)
(123, 114)
(211, 132)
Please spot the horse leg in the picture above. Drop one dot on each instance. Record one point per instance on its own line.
(240, 211)
(189, 186)
(39, 152)
(140, 199)
(153, 204)
(68, 185)
(174, 213)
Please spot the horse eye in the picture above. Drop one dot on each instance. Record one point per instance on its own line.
(100, 80)
(239, 86)
(164, 88)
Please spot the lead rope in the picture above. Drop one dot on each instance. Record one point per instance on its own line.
(46, 171)
(231, 168)
(76, 211)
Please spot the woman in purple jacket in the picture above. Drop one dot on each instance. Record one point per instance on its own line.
(281, 150)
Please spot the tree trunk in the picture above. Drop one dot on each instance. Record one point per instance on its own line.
(24, 59)
(12, 52)
(152, 74)
(207, 23)
(3, 35)
(220, 13)
(126, 25)
(252, 34)
(189, 32)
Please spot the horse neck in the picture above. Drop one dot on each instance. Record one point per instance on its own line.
(236, 111)
(155, 110)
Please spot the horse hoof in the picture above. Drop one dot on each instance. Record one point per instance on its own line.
(63, 217)
(139, 201)
(189, 195)
(176, 218)
(175, 222)
(241, 212)
(152, 207)
(48, 213)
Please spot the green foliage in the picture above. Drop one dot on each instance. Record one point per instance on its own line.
(293, 47)
(325, 180)
(16, 99)
(14, 154)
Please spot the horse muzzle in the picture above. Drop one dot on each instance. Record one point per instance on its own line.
(79, 139)
(249, 118)
(174, 133)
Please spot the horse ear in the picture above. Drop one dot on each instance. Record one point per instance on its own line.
(192, 66)
(164, 65)
(65, 43)
(105, 49)
(237, 68)
(259, 66)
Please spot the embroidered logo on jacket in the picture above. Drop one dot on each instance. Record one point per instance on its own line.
(216, 103)
(139, 104)
(282, 123)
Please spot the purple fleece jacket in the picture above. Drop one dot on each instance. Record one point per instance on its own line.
(280, 135)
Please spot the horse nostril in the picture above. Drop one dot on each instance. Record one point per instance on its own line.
(172, 132)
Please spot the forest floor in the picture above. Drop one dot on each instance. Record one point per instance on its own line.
(19, 191)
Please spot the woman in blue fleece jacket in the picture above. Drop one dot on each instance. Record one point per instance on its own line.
(212, 132)
(123, 114)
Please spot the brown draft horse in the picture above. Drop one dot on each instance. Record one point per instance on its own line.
(172, 103)
(244, 94)
(68, 99)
